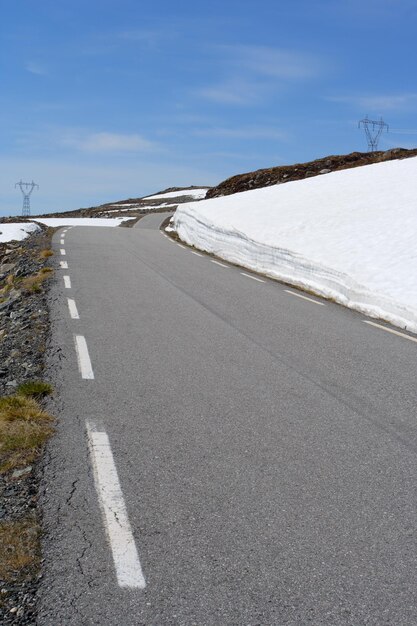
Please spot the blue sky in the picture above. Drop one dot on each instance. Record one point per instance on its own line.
(102, 99)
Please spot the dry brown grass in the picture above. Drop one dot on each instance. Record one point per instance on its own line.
(32, 284)
(19, 542)
(45, 253)
(24, 428)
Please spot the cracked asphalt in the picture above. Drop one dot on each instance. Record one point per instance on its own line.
(266, 447)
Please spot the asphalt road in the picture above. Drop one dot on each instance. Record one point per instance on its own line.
(265, 447)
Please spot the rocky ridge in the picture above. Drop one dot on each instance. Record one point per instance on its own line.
(299, 171)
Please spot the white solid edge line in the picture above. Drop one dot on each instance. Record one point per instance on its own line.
(67, 282)
(116, 521)
(181, 246)
(171, 240)
(253, 277)
(83, 358)
(304, 297)
(391, 330)
(63, 251)
(73, 309)
(218, 263)
(196, 253)
(64, 265)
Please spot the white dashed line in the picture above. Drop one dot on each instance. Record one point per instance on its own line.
(119, 532)
(304, 297)
(181, 246)
(218, 263)
(63, 252)
(253, 277)
(67, 282)
(62, 242)
(390, 330)
(73, 309)
(171, 240)
(196, 253)
(64, 265)
(83, 358)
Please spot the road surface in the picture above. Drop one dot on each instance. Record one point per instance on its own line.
(229, 451)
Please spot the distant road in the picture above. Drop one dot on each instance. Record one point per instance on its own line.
(153, 220)
(229, 451)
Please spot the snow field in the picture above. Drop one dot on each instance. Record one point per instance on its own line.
(81, 221)
(348, 235)
(17, 231)
(195, 193)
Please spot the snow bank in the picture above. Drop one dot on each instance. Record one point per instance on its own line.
(81, 221)
(17, 231)
(194, 193)
(349, 235)
(149, 207)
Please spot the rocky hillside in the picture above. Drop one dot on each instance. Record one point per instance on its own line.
(287, 173)
(118, 208)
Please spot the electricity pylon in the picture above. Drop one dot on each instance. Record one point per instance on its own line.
(26, 189)
(373, 134)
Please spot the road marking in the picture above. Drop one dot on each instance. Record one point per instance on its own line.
(304, 297)
(390, 330)
(83, 358)
(64, 265)
(181, 246)
(73, 309)
(62, 242)
(171, 240)
(196, 253)
(67, 282)
(125, 555)
(218, 263)
(63, 252)
(253, 277)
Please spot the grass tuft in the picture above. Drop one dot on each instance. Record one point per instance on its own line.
(24, 428)
(45, 253)
(34, 389)
(32, 284)
(19, 541)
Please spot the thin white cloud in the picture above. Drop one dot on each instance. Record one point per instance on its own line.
(235, 91)
(36, 68)
(110, 142)
(252, 132)
(379, 103)
(252, 73)
(273, 62)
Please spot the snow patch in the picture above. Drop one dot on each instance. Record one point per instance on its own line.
(195, 193)
(17, 231)
(348, 235)
(81, 221)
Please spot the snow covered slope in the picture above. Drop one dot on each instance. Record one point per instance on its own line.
(81, 221)
(17, 231)
(194, 193)
(349, 235)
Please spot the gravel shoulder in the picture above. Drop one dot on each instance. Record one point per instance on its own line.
(24, 332)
